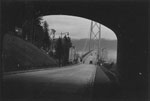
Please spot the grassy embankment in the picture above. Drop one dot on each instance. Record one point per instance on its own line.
(22, 55)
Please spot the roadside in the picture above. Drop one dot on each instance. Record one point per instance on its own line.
(33, 70)
(106, 85)
(112, 76)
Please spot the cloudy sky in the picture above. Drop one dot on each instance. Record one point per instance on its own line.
(77, 27)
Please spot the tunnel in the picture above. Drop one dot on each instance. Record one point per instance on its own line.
(129, 21)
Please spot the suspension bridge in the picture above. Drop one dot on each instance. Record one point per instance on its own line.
(94, 42)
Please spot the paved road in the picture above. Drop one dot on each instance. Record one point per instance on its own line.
(62, 84)
(54, 84)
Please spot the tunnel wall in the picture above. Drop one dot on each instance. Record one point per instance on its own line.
(129, 20)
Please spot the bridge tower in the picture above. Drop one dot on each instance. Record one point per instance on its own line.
(95, 34)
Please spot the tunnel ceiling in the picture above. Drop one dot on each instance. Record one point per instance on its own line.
(115, 15)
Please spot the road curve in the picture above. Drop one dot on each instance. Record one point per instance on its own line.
(64, 84)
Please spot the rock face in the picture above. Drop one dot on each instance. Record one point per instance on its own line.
(19, 55)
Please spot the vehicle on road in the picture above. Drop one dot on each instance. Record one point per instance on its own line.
(91, 62)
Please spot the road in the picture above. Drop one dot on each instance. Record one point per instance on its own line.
(91, 57)
(71, 83)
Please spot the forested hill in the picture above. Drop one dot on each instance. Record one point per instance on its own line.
(80, 44)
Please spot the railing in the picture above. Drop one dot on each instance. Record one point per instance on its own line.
(83, 56)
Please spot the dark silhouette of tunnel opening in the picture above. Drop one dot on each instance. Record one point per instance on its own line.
(128, 20)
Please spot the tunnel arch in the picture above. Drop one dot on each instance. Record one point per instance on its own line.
(128, 20)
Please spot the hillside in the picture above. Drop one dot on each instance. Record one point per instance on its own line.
(20, 55)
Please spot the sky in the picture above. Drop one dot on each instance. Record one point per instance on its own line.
(77, 27)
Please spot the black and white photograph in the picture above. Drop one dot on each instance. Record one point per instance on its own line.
(74, 50)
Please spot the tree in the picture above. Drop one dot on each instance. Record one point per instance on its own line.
(34, 32)
(39, 36)
(53, 32)
(27, 30)
(59, 50)
(46, 36)
(30, 29)
(37, 31)
(66, 46)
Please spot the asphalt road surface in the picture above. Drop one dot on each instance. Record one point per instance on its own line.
(72, 83)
